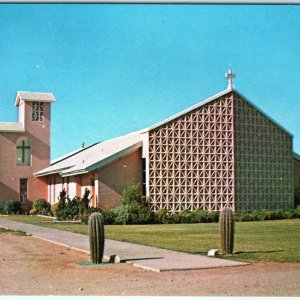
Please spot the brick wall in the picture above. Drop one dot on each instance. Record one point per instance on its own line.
(116, 176)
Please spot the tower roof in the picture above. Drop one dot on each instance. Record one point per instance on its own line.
(33, 96)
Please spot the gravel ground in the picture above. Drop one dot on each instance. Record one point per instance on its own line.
(31, 266)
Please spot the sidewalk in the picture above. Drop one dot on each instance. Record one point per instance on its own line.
(146, 257)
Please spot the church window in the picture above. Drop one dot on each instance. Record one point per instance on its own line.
(23, 190)
(23, 152)
(37, 111)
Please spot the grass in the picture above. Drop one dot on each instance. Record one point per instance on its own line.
(14, 232)
(274, 241)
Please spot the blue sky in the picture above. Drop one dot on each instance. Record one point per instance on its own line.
(119, 68)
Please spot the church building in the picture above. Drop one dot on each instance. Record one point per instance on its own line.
(223, 151)
(25, 149)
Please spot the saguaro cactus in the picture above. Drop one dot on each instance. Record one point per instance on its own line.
(227, 230)
(96, 237)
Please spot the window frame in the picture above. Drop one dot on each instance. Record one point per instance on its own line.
(37, 111)
(22, 186)
(19, 147)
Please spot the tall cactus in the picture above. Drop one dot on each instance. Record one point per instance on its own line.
(96, 237)
(227, 230)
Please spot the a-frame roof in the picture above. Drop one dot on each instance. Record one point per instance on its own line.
(210, 99)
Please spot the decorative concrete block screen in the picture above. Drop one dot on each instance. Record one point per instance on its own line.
(191, 162)
(263, 161)
(223, 153)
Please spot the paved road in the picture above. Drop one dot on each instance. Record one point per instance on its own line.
(146, 257)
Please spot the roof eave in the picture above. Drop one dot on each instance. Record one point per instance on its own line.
(19, 98)
(103, 162)
(264, 114)
(115, 157)
(73, 173)
(57, 171)
(12, 131)
(216, 96)
(12, 127)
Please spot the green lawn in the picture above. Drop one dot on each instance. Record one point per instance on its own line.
(277, 241)
(15, 232)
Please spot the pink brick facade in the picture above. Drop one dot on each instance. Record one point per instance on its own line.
(38, 135)
(105, 184)
(115, 177)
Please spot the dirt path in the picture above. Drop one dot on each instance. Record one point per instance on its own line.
(30, 266)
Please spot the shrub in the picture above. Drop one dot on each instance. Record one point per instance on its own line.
(62, 199)
(134, 210)
(12, 207)
(70, 210)
(84, 209)
(84, 217)
(213, 216)
(54, 207)
(196, 216)
(41, 207)
(185, 216)
(131, 194)
(242, 217)
(258, 215)
(85, 201)
(110, 216)
(134, 213)
(73, 209)
(201, 216)
(163, 216)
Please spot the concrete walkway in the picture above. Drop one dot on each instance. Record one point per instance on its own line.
(150, 258)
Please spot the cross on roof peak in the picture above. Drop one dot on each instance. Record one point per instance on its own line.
(230, 76)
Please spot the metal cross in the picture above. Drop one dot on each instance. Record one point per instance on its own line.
(23, 148)
(230, 76)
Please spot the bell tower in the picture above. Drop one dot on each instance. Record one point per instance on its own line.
(33, 145)
(35, 115)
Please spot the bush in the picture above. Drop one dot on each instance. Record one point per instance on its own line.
(54, 207)
(134, 213)
(84, 217)
(84, 209)
(110, 216)
(132, 194)
(12, 207)
(70, 210)
(41, 207)
(134, 210)
(73, 209)
(163, 216)
(185, 216)
(85, 201)
(258, 215)
(196, 216)
(62, 199)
